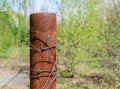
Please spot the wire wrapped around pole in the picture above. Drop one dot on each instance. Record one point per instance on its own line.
(43, 51)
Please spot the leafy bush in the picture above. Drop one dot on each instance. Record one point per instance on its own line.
(13, 29)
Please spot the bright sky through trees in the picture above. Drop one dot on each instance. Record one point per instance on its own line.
(38, 6)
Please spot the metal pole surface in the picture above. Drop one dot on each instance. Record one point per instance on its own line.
(43, 51)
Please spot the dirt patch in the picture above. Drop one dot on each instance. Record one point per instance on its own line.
(9, 70)
(13, 87)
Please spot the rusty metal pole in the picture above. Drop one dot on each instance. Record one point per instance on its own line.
(43, 51)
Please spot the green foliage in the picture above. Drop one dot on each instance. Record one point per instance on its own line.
(4, 5)
(13, 29)
(88, 31)
(88, 39)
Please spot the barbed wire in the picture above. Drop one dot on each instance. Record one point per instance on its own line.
(20, 71)
(50, 73)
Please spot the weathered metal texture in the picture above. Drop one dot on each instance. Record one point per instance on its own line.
(43, 51)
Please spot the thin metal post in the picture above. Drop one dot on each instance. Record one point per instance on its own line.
(43, 51)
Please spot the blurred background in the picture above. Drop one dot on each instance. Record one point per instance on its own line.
(88, 42)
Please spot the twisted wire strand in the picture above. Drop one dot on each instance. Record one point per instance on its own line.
(20, 71)
(51, 72)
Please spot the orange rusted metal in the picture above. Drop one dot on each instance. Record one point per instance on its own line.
(43, 51)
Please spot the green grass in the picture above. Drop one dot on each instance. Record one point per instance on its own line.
(93, 74)
(96, 73)
(17, 58)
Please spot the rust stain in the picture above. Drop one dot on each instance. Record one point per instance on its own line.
(43, 51)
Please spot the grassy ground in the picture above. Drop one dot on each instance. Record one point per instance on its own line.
(90, 74)
(94, 74)
(88, 77)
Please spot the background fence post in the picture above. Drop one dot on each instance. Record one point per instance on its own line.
(43, 51)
